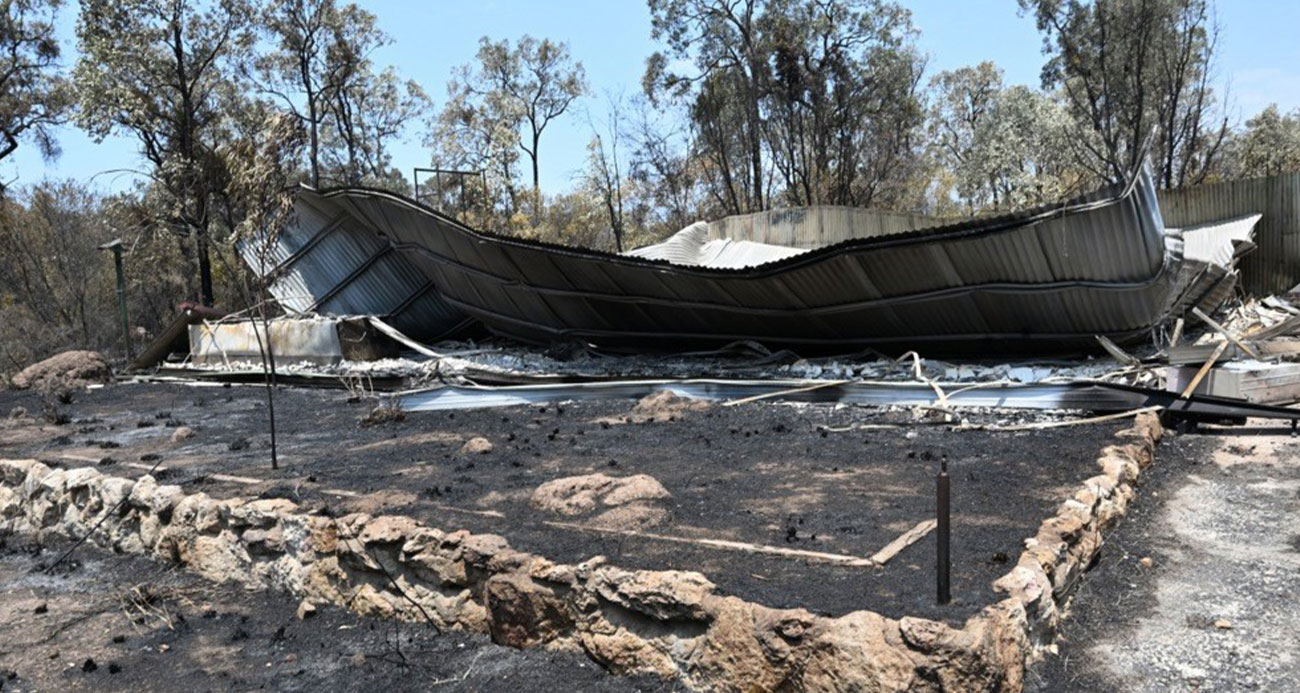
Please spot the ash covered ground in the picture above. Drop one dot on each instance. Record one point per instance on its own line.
(845, 481)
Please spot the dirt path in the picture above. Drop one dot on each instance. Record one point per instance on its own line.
(1216, 609)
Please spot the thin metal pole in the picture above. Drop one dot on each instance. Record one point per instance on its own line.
(121, 300)
(942, 536)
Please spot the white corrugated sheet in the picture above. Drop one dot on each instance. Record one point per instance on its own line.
(691, 247)
(1220, 242)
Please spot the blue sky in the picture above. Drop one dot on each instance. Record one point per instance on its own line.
(1258, 59)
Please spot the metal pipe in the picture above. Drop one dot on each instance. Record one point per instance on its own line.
(942, 536)
(116, 247)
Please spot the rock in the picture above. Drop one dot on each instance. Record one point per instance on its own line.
(14, 472)
(624, 652)
(478, 549)
(522, 613)
(855, 653)
(664, 595)
(368, 601)
(322, 535)
(10, 506)
(81, 477)
(1146, 561)
(182, 434)
(221, 558)
(477, 445)
(631, 517)
(306, 610)
(165, 498)
(577, 495)
(263, 512)
(142, 492)
(1223, 624)
(68, 370)
(664, 406)
(387, 529)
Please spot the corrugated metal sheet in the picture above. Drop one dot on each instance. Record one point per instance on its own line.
(330, 262)
(692, 246)
(1221, 242)
(815, 227)
(1275, 266)
(1208, 274)
(1082, 394)
(1045, 279)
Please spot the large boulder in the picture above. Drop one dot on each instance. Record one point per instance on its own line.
(68, 370)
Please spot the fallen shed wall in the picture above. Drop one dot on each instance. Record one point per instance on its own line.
(670, 623)
(1274, 266)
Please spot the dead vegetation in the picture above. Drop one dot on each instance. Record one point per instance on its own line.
(389, 413)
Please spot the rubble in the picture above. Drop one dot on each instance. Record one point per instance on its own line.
(65, 371)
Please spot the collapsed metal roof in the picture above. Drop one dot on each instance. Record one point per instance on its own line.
(1046, 280)
(329, 261)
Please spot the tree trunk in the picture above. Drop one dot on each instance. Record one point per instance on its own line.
(537, 187)
(205, 268)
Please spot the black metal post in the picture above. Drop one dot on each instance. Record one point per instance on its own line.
(942, 536)
(116, 246)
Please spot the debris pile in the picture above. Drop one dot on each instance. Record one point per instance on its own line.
(67, 370)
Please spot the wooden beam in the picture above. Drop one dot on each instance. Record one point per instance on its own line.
(1288, 326)
(744, 547)
(793, 391)
(903, 541)
(1113, 349)
(1039, 425)
(1205, 368)
(1223, 331)
(1178, 333)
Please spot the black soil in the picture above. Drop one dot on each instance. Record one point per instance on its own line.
(104, 622)
(766, 474)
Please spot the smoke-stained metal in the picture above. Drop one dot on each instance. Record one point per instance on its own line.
(327, 261)
(1047, 279)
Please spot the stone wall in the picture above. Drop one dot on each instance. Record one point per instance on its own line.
(670, 623)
